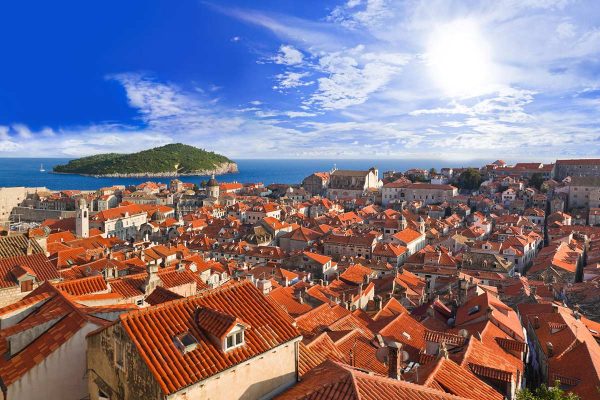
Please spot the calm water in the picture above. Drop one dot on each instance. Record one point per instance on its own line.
(25, 172)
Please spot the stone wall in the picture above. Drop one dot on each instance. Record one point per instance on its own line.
(39, 215)
(133, 381)
(11, 197)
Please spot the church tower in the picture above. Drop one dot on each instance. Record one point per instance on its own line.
(421, 222)
(213, 187)
(402, 224)
(82, 221)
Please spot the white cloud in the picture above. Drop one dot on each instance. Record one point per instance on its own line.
(22, 130)
(290, 80)
(353, 75)
(356, 13)
(288, 55)
(355, 85)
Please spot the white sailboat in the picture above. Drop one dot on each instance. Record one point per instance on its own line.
(42, 168)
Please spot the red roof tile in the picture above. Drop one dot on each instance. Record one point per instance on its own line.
(334, 381)
(152, 331)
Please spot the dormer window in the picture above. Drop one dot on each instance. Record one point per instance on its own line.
(225, 330)
(235, 338)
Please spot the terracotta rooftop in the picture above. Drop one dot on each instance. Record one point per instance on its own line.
(17, 245)
(335, 381)
(37, 263)
(445, 375)
(152, 331)
(57, 319)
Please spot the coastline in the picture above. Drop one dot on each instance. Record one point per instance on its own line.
(222, 169)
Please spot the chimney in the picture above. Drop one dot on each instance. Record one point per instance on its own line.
(378, 302)
(536, 322)
(443, 351)
(550, 349)
(532, 290)
(152, 279)
(394, 360)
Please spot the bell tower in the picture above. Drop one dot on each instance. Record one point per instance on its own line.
(213, 187)
(82, 220)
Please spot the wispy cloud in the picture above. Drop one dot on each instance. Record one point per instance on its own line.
(357, 82)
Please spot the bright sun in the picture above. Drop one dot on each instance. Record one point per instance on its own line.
(459, 59)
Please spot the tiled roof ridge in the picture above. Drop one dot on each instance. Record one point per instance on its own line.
(570, 347)
(357, 373)
(153, 309)
(24, 302)
(68, 300)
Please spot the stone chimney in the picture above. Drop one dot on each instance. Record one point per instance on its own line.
(152, 280)
(29, 247)
(550, 349)
(395, 360)
(378, 302)
(443, 351)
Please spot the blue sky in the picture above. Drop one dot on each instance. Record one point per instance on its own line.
(512, 79)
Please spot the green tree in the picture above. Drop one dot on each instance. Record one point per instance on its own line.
(546, 393)
(432, 171)
(469, 179)
(536, 181)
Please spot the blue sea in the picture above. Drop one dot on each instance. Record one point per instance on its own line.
(26, 172)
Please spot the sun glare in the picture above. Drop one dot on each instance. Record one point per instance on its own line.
(459, 59)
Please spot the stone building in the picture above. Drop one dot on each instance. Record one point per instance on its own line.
(227, 343)
(338, 246)
(11, 197)
(352, 184)
(316, 184)
(580, 168)
(123, 222)
(425, 192)
(584, 192)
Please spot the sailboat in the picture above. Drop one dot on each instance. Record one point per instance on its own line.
(42, 168)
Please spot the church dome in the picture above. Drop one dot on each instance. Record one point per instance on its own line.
(212, 182)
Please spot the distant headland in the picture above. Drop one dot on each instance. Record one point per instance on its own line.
(166, 161)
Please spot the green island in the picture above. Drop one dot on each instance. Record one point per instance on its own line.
(169, 160)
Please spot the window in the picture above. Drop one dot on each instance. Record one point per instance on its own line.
(27, 286)
(185, 342)
(235, 339)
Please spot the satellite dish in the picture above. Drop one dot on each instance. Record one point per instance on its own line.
(464, 333)
(405, 356)
(382, 355)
